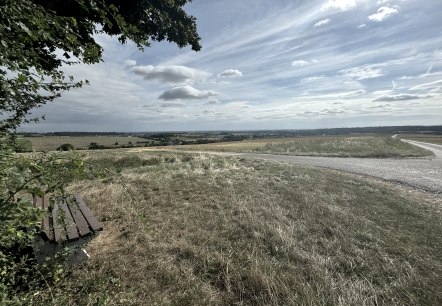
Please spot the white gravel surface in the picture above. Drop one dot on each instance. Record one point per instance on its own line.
(424, 173)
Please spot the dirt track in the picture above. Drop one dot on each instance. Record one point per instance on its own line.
(423, 173)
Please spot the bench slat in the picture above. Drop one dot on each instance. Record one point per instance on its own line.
(43, 203)
(93, 222)
(80, 221)
(57, 227)
(45, 223)
(71, 229)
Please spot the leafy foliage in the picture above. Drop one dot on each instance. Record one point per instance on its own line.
(65, 147)
(39, 36)
(20, 177)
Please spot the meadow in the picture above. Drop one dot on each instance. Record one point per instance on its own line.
(197, 229)
(436, 139)
(336, 146)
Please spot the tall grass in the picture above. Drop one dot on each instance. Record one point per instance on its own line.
(201, 230)
(376, 147)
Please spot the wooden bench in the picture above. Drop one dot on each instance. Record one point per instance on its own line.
(69, 224)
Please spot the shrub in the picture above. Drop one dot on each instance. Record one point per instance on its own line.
(66, 147)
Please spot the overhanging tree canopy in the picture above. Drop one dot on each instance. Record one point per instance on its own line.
(37, 37)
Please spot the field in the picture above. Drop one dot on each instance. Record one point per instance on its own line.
(340, 146)
(436, 139)
(51, 143)
(193, 229)
(23, 145)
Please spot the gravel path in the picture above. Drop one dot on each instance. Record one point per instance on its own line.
(424, 173)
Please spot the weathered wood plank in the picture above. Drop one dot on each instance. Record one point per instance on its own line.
(57, 227)
(71, 228)
(80, 221)
(93, 222)
(45, 222)
(43, 203)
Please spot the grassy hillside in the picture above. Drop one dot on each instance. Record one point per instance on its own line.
(340, 146)
(346, 147)
(436, 139)
(184, 229)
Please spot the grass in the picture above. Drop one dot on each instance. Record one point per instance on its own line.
(338, 146)
(436, 139)
(24, 145)
(51, 143)
(190, 229)
(346, 147)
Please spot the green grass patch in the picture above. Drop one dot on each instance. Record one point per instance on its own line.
(51, 143)
(23, 145)
(211, 230)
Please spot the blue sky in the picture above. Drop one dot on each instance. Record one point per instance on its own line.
(268, 64)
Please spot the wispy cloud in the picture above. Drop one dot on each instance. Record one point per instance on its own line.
(299, 63)
(322, 22)
(383, 13)
(173, 104)
(430, 85)
(399, 97)
(362, 73)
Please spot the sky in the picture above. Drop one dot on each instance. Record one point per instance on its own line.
(268, 64)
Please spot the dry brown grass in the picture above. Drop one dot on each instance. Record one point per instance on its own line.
(204, 230)
(436, 139)
(337, 146)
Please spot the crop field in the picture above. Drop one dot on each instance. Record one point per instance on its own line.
(340, 146)
(51, 143)
(436, 139)
(24, 145)
(196, 229)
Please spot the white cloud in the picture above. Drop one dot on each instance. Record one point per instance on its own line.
(342, 5)
(230, 73)
(383, 92)
(312, 79)
(399, 97)
(338, 95)
(300, 63)
(383, 13)
(322, 22)
(428, 85)
(362, 26)
(362, 73)
(436, 90)
(130, 62)
(185, 92)
(170, 74)
(348, 94)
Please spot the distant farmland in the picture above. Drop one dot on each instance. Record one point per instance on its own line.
(51, 143)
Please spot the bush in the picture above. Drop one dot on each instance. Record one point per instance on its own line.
(66, 147)
(20, 177)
